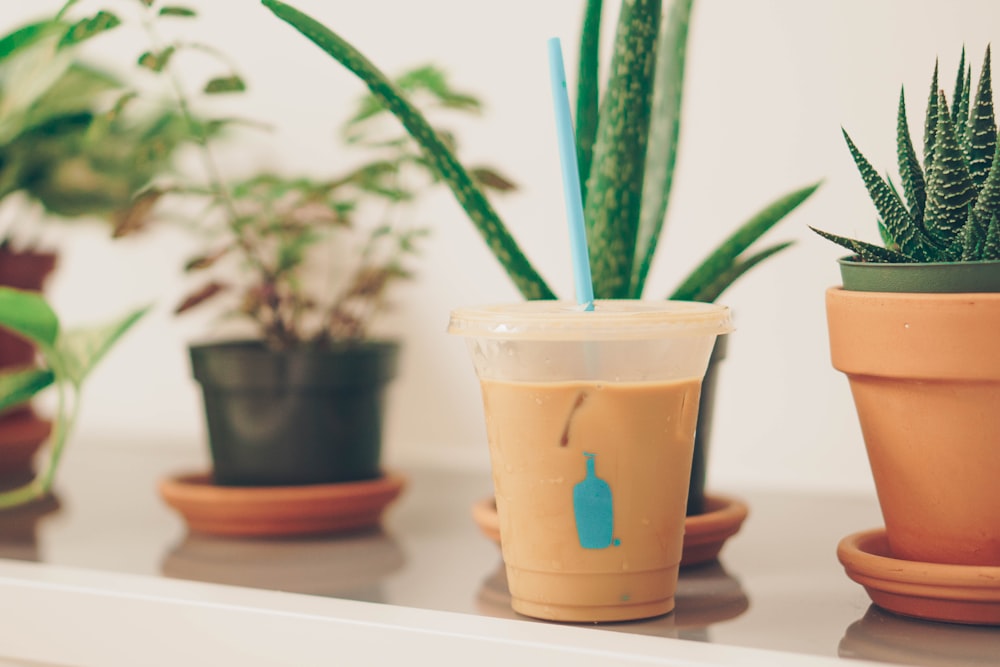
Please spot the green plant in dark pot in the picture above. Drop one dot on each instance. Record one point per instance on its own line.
(909, 327)
(302, 403)
(627, 148)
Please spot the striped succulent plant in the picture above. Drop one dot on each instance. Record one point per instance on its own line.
(627, 149)
(952, 207)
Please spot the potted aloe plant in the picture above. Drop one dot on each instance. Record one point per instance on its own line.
(68, 151)
(627, 149)
(914, 325)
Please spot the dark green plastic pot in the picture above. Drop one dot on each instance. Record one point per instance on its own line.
(304, 416)
(932, 277)
(706, 408)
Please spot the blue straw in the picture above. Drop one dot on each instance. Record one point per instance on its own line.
(571, 178)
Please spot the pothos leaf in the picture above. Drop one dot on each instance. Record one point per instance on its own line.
(89, 27)
(81, 349)
(29, 315)
(225, 84)
(18, 386)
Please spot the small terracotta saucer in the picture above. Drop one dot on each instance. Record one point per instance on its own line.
(935, 591)
(704, 534)
(259, 511)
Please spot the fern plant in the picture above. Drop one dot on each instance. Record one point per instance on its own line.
(952, 200)
(627, 149)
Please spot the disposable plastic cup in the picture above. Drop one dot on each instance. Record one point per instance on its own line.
(590, 418)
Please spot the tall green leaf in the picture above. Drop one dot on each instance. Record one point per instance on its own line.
(80, 350)
(614, 188)
(950, 191)
(960, 87)
(19, 386)
(725, 255)
(27, 35)
(930, 120)
(588, 90)
(982, 129)
(991, 249)
(725, 279)
(471, 198)
(27, 314)
(664, 135)
(868, 252)
(909, 166)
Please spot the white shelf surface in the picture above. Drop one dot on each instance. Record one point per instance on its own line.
(111, 577)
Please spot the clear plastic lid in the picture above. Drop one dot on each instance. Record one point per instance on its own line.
(610, 320)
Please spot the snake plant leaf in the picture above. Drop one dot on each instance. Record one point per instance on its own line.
(930, 119)
(868, 252)
(724, 256)
(89, 27)
(910, 172)
(80, 350)
(19, 386)
(991, 249)
(898, 223)
(28, 315)
(982, 128)
(950, 191)
(587, 90)
(664, 134)
(614, 188)
(723, 280)
(528, 281)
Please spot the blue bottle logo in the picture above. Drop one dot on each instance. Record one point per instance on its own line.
(594, 510)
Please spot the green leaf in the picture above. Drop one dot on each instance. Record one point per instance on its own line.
(909, 166)
(950, 191)
(87, 28)
(982, 129)
(930, 120)
(614, 188)
(664, 135)
(157, 61)
(724, 256)
(174, 10)
(960, 88)
(868, 252)
(20, 385)
(80, 350)
(973, 239)
(991, 249)
(898, 223)
(723, 280)
(443, 161)
(28, 315)
(26, 36)
(588, 90)
(225, 84)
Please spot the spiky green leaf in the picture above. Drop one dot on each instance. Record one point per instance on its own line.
(973, 239)
(87, 28)
(950, 191)
(868, 252)
(614, 188)
(991, 249)
(664, 135)
(982, 129)
(960, 86)
(897, 220)
(725, 255)
(961, 114)
(225, 84)
(81, 349)
(471, 198)
(20, 385)
(587, 90)
(910, 172)
(28, 315)
(988, 202)
(930, 120)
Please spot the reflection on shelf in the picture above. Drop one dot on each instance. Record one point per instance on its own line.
(348, 566)
(19, 528)
(706, 594)
(882, 635)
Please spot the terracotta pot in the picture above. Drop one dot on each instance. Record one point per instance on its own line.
(925, 375)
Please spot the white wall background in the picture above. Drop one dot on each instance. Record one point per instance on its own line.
(770, 83)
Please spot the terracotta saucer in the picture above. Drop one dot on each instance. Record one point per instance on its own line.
(955, 593)
(310, 509)
(704, 534)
